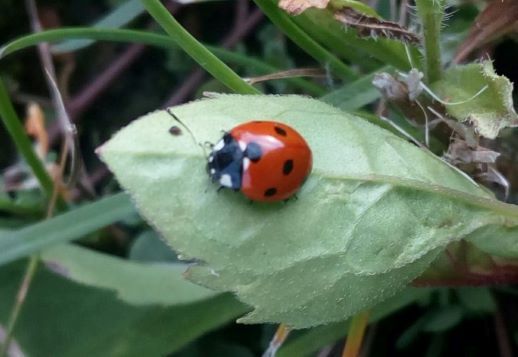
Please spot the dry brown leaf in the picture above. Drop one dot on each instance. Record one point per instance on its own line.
(296, 7)
(290, 73)
(368, 26)
(35, 127)
(497, 19)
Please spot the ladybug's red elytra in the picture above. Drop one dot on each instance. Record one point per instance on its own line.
(266, 160)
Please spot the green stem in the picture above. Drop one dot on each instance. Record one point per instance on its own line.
(303, 40)
(22, 141)
(148, 38)
(431, 13)
(30, 271)
(196, 50)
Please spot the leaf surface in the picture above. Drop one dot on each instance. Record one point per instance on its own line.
(135, 283)
(64, 318)
(373, 214)
(491, 110)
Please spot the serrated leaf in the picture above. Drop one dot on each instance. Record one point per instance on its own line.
(148, 247)
(373, 214)
(491, 110)
(135, 283)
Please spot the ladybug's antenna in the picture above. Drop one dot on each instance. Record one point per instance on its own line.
(188, 130)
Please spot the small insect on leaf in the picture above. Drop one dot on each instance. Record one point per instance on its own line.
(373, 214)
(175, 130)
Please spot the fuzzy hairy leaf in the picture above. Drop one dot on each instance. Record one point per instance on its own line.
(373, 214)
(490, 111)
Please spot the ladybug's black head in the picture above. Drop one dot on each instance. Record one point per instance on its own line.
(225, 163)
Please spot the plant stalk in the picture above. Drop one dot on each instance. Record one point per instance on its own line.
(22, 141)
(431, 13)
(303, 40)
(20, 300)
(196, 50)
(355, 334)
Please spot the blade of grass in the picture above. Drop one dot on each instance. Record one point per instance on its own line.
(148, 38)
(431, 13)
(305, 42)
(22, 141)
(69, 139)
(68, 226)
(120, 16)
(196, 50)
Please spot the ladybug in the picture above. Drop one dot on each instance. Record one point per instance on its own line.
(266, 160)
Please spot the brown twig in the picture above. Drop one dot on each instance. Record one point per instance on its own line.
(92, 90)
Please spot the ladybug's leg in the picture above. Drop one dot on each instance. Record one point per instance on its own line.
(294, 198)
(207, 145)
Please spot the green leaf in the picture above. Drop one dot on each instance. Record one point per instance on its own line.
(135, 283)
(354, 95)
(71, 225)
(308, 342)
(357, 5)
(325, 29)
(303, 40)
(443, 319)
(490, 111)
(152, 39)
(477, 300)
(373, 214)
(78, 320)
(148, 247)
(495, 239)
(120, 16)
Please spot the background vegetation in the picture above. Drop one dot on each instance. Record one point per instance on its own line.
(111, 293)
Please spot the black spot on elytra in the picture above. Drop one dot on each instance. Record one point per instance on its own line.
(253, 152)
(287, 167)
(175, 130)
(280, 131)
(270, 192)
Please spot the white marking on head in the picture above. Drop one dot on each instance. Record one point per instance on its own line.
(246, 163)
(219, 145)
(242, 145)
(212, 171)
(225, 180)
